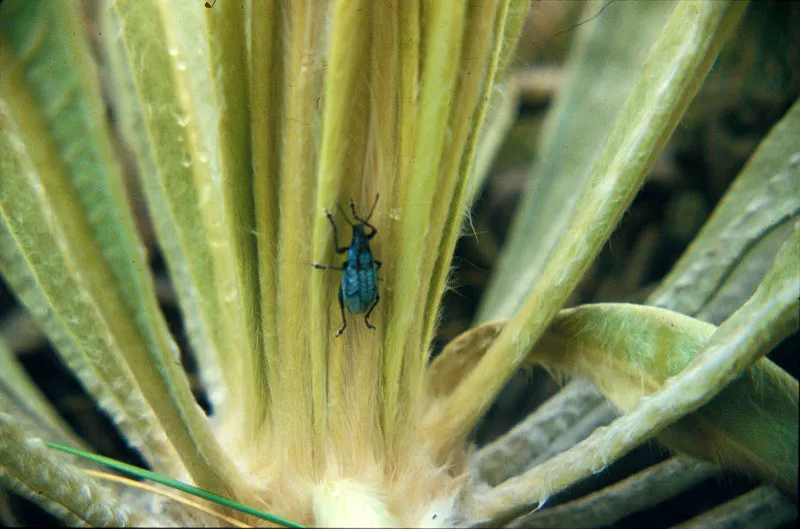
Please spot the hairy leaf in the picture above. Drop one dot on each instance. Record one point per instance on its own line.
(730, 353)
(601, 69)
(730, 255)
(68, 218)
(31, 469)
(676, 66)
(193, 159)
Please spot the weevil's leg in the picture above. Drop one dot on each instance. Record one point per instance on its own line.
(329, 267)
(378, 264)
(341, 307)
(366, 318)
(371, 234)
(339, 249)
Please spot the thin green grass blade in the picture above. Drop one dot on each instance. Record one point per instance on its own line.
(169, 482)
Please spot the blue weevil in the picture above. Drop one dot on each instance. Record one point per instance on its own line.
(359, 287)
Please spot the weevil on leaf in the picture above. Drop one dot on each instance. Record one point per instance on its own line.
(359, 287)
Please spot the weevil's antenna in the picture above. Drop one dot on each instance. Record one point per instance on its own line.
(372, 209)
(341, 210)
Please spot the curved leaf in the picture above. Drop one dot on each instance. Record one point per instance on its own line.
(726, 358)
(631, 351)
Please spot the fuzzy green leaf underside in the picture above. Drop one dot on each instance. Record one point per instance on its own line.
(727, 259)
(31, 469)
(736, 346)
(74, 328)
(157, 64)
(630, 351)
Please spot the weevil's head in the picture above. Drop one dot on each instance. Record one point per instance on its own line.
(359, 231)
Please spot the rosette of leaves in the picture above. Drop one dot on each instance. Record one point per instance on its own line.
(243, 123)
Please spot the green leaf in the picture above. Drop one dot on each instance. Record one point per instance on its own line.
(675, 68)
(466, 124)
(30, 469)
(189, 139)
(500, 118)
(442, 29)
(517, 12)
(64, 207)
(237, 276)
(631, 351)
(730, 255)
(74, 326)
(639, 492)
(265, 109)
(609, 54)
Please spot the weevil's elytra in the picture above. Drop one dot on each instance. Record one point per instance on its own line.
(359, 288)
